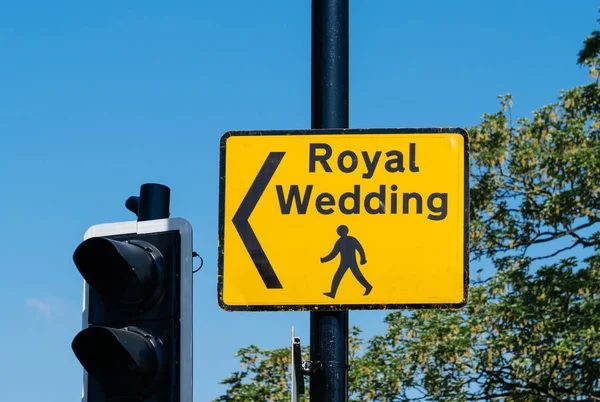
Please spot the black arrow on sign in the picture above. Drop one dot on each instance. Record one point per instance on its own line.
(240, 220)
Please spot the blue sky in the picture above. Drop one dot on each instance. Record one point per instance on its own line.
(98, 98)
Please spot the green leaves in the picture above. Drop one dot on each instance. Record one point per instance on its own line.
(590, 54)
(264, 376)
(536, 182)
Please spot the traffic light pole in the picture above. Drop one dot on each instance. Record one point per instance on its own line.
(329, 329)
(153, 202)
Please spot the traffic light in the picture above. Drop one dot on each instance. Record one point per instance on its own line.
(136, 342)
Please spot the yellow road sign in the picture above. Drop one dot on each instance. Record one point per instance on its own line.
(343, 219)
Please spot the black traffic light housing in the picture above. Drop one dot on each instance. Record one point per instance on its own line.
(136, 344)
(127, 274)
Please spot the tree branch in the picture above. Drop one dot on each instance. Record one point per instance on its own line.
(557, 252)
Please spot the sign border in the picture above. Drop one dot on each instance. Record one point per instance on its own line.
(341, 307)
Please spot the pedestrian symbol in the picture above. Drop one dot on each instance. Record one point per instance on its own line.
(346, 247)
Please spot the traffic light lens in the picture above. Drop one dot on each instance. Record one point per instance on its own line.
(126, 362)
(126, 275)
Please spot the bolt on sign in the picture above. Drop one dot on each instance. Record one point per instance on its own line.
(343, 219)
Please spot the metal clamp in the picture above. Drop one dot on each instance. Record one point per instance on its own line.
(309, 367)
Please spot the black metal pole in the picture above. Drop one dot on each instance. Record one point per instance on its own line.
(153, 202)
(329, 329)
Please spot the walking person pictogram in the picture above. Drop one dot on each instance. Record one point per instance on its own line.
(347, 246)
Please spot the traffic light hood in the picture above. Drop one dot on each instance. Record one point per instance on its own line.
(126, 362)
(127, 275)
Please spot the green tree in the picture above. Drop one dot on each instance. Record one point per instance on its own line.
(531, 330)
(265, 374)
(589, 55)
